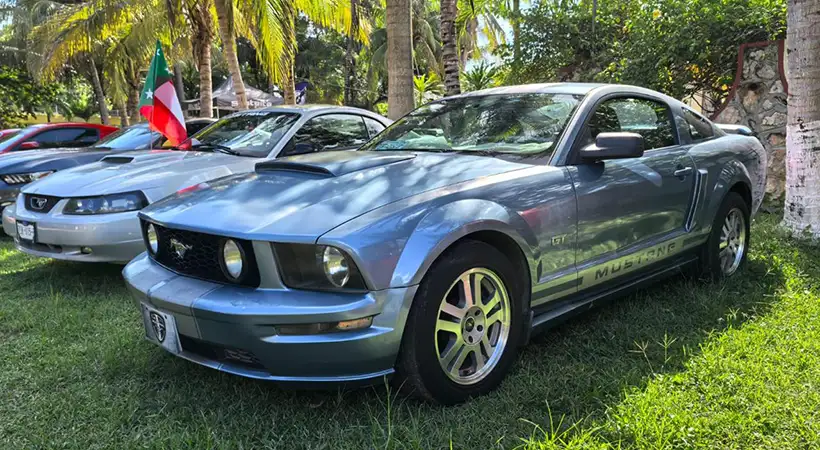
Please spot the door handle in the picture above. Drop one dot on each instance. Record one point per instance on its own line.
(682, 172)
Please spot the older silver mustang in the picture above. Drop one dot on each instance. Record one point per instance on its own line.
(440, 247)
(89, 213)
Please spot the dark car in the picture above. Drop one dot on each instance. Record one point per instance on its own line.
(56, 135)
(21, 168)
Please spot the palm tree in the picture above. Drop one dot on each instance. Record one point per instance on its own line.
(202, 25)
(227, 24)
(480, 17)
(427, 88)
(802, 211)
(449, 12)
(482, 76)
(399, 58)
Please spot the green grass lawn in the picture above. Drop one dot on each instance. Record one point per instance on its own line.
(685, 364)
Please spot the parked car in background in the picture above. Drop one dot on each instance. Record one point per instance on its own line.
(89, 213)
(55, 135)
(20, 168)
(8, 133)
(438, 248)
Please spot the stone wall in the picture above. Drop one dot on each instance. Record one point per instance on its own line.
(757, 99)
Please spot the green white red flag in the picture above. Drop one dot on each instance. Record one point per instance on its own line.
(159, 102)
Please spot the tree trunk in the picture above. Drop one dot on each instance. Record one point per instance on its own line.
(203, 39)
(206, 100)
(449, 50)
(802, 211)
(288, 85)
(133, 105)
(350, 54)
(179, 86)
(224, 12)
(124, 122)
(516, 28)
(399, 58)
(105, 118)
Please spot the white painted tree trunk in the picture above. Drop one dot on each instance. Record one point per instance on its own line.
(802, 209)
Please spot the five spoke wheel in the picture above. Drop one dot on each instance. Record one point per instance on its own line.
(473, 326)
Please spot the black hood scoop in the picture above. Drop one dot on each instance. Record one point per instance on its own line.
(334, 164)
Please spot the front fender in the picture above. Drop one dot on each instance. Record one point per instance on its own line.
(730, 174)
(445, 225)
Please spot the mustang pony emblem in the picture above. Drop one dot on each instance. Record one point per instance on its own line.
(38, 202)
(180, 248)
(158, 325)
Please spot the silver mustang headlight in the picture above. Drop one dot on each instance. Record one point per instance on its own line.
(233, 260)
(24, 178)
(153, 238)
(317, 267)
(106, 204)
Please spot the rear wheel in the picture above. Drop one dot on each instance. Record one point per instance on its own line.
(463, 329)
(726, 250)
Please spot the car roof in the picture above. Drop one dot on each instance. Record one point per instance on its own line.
(73, 124)
(539, 88)
(312, 109)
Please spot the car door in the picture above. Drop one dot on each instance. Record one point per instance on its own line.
(630, 211)
(326, 133)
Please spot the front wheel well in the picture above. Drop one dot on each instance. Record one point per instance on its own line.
(510, 248)
(744, 191)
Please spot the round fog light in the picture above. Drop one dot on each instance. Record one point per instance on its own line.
(233, 259)
(153, 239)
(337, 270)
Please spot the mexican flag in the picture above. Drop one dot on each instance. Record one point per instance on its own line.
(159, 102)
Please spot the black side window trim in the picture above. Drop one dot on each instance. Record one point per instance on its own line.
(714, 135)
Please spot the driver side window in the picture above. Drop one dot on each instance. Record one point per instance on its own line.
(649, 118)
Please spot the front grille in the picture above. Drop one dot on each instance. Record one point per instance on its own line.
(40, 203)
(219, 353)
(199, 255)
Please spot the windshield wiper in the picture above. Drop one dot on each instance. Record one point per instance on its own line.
(218, 147)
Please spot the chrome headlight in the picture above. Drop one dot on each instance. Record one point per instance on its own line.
(24, 178)
(233, 260)
(152, 238)
(106, 204)
(317, 267)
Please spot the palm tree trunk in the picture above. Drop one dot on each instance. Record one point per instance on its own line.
(516, 28)
(132, 102)
(350, 54)
(124, 122)
(105, 118)
(224, 12)
(288, 85)
(179, 86)
(399, 58)
(449, 50)
(802, 211)
(206, 100)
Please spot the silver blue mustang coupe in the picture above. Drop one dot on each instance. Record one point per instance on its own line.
(438, 249)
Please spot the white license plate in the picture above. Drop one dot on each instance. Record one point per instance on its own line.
(26, 231)
(161, 328)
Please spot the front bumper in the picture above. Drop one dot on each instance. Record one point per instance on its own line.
(234, 329)
(114, 238)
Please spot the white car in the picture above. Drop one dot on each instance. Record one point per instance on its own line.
(89, 213)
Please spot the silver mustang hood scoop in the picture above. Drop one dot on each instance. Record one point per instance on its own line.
(142, 156)
(332, 164)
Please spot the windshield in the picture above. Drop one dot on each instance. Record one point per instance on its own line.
(9, 135)
(521, 124)
(137, 137)
(247, 134)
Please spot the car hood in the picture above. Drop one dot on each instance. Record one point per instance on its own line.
(298, 199)
(136, 170)
(20, 162)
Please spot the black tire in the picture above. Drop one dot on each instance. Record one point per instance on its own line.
(710, 264)
(419, 370)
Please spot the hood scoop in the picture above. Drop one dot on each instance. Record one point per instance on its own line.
(118, 159)
(332, 164)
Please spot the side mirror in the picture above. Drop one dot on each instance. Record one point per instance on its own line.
(614, 146)
(29, 145)
(302, 148)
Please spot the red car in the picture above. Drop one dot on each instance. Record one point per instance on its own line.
(55, 135)
(8, 134)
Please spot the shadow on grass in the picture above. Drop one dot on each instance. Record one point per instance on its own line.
(574, 372)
